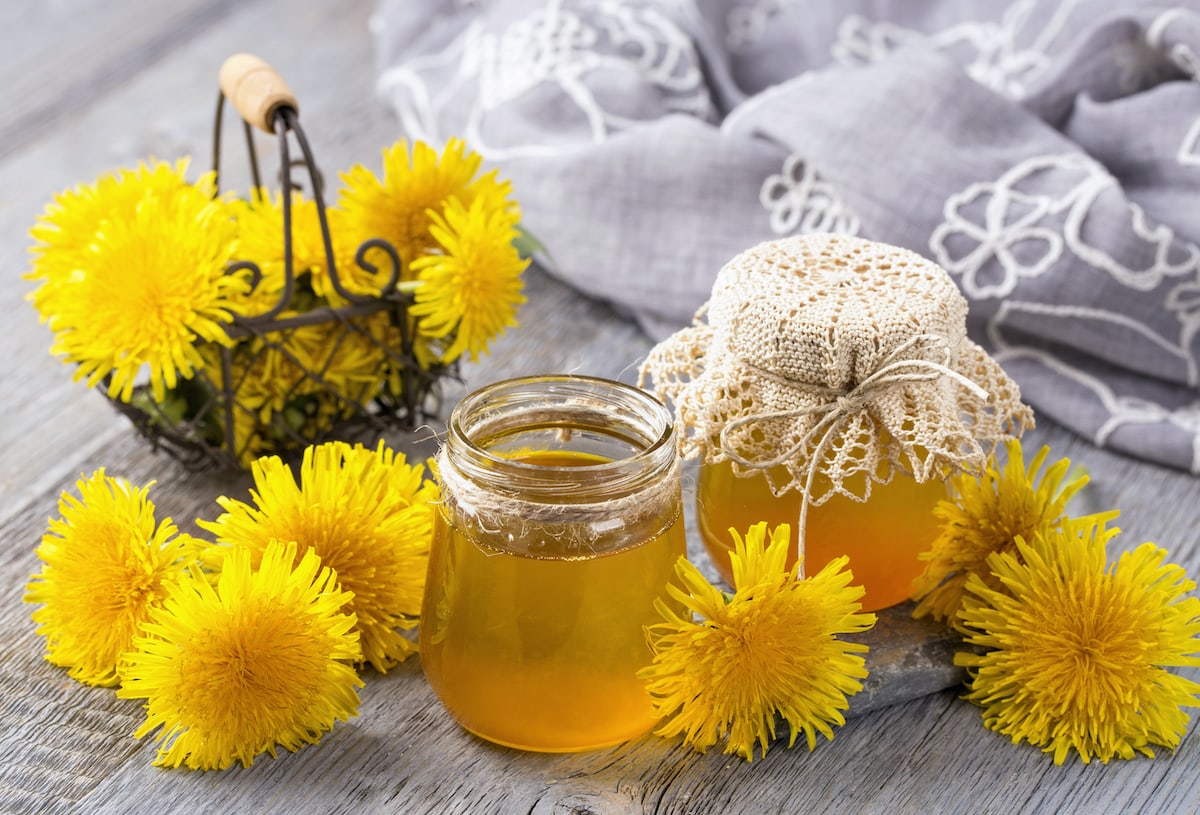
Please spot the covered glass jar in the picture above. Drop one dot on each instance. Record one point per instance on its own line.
(829, 384)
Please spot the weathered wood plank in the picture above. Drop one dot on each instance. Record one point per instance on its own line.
(64, 747)
(55, 64)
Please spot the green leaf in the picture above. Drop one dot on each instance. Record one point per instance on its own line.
(527, 244)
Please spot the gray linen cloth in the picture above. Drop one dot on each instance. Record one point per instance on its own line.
(1045, 152)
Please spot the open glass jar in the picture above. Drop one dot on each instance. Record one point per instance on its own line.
(560, 524)
(829, 384)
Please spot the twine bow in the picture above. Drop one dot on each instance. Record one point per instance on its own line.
(907, 363)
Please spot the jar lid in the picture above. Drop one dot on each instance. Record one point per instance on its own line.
(835, 355)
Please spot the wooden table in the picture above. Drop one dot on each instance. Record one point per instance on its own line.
(90, 86)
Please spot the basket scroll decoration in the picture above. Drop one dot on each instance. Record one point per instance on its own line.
(211, 420)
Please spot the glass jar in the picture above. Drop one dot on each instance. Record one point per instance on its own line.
(821, 365)
(559, 528)
(882, 536)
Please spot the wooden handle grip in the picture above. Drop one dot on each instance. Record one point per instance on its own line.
(256, 90)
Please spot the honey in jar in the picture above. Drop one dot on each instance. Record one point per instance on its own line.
(883, 537)
(829, 383)
(560, 526)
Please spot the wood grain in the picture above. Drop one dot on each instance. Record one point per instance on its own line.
(39, 94)
(92, 86)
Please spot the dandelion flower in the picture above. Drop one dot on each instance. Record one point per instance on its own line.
(368, 516)
(75, 218)
(770, 648)
(260, 231)
(105, 564)
(368, 280)
(140, 284)
(340, 358)
(260, 240)
(259, 222)
(986, 515)
(295, 384)
(258, 661)
(1078, 654)
(396, 208)
(472, 291)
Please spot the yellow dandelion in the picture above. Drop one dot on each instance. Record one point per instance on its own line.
(471, 292)
(105, 564)
(396, 208)
(1078, 655)
(260, 240)
(986, 515)
(260, 231)
(343, 359)
(366, 513)
(258, 661)
(249, 412)
(75, 218)
(340, 358)
(296, 384)
(353, 278)
(249, 439)
(292, 386)
(770, 648)
(149, 282)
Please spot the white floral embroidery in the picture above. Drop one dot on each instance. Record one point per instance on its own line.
(408, 85)
(990, 51)
(1140, 339)
(745, 24)
(860, 41)
(1189, 149)
(1011, 218)
(1020, 226)
(565, 47)
(799, 200)
(1183, 302)
(1016, 317)
(1121, 410)
(562, 48)
(1178, 52)
(1182, 54)
(1159, 238)
(997, 233)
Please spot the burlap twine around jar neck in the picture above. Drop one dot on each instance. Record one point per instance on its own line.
(835, 356)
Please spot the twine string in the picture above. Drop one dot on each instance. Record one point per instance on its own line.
(904, 365)
(593, 522)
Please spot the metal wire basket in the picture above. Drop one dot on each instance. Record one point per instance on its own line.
(207, 423)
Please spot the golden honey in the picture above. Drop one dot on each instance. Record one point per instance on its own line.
(821, 361)
(882, 537)
(560, 526)
(540, 652)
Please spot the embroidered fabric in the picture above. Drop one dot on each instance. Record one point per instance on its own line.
(840, 356)
(1046, 153)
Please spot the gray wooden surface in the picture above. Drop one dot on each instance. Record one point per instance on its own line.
(87, 86)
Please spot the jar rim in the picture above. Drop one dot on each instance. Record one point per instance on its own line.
(647, 427)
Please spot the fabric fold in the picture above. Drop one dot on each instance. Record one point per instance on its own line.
(1046, 153)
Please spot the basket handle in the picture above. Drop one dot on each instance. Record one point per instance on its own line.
(256, 90)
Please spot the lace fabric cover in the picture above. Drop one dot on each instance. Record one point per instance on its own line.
(838, 356)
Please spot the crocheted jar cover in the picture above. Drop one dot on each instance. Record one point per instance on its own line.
(835, 355)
